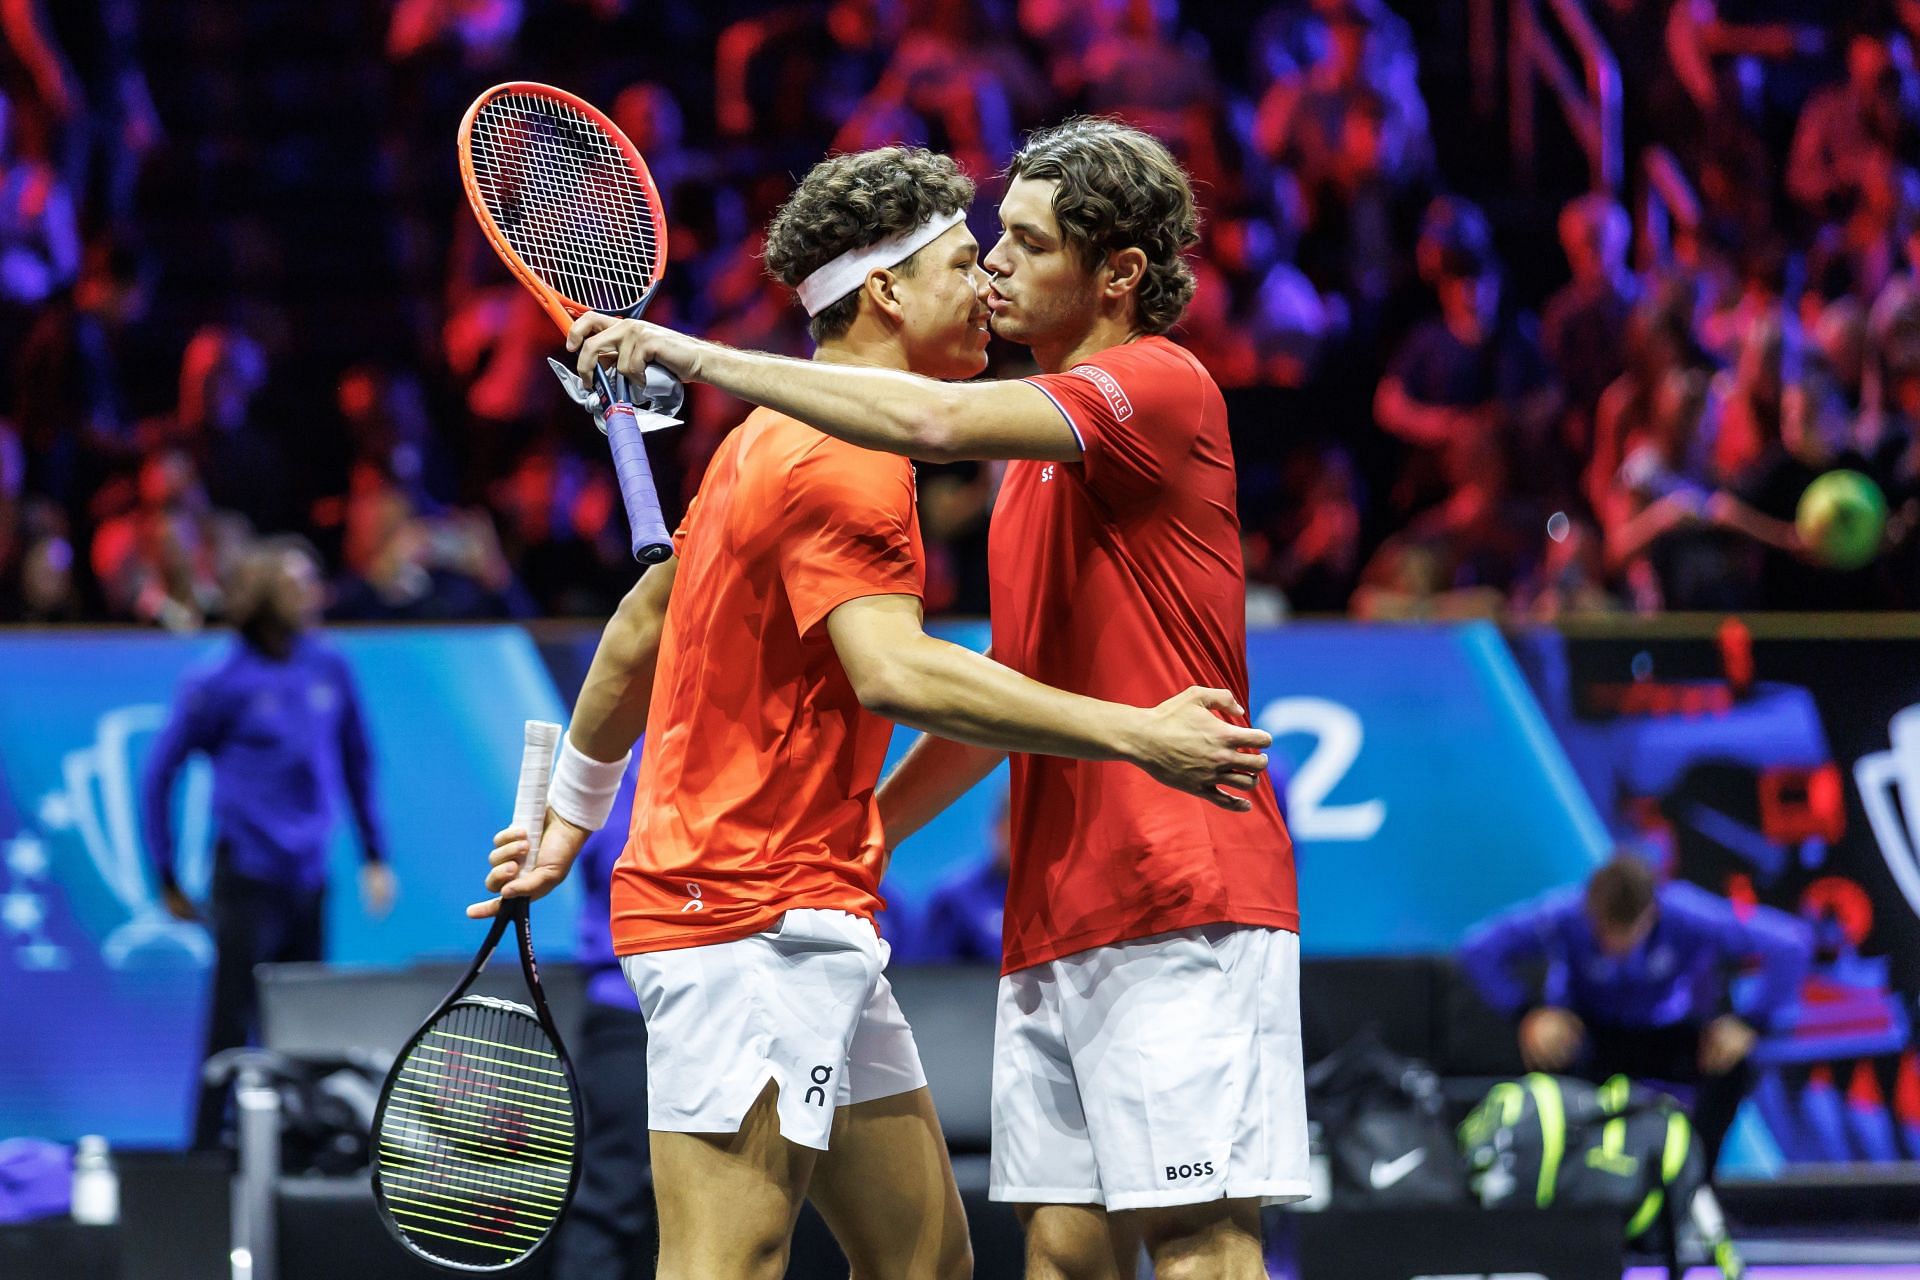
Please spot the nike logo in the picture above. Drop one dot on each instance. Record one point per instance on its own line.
(1386, 1173)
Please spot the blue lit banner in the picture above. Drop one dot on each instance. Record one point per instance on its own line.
(1425, 790)
(1433, 775)
(114, 988)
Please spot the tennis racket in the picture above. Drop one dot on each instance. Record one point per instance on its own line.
(568, 204)
(476, 1139)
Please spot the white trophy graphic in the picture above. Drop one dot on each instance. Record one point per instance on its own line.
(99, 802)
(1896, 817)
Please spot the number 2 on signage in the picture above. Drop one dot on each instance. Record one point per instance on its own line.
(1337, 734)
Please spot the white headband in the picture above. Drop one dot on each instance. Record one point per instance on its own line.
(849, 271)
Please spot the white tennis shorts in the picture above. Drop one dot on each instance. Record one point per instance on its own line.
(1161, 1071)
(804, 1004)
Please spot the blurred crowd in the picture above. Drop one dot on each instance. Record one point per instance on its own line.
(240, 293)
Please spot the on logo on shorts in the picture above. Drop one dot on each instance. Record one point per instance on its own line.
(821, 1076)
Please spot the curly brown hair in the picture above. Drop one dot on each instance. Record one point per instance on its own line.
(852, 201)
(1119, 189)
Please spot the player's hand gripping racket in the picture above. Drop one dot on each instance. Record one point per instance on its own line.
(476, 1139)
(568, 203)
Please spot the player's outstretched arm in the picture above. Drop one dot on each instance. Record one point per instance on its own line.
(935, 772)
(882, 409)
(902, 673)
(608, 718)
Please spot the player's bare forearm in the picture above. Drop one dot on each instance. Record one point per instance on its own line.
(884, 409)
(900, 672)
(936, 772)
(611, 712)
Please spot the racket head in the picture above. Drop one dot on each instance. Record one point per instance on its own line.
(564, 198)
(476, 1139)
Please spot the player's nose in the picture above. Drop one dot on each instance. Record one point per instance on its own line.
(996, 262)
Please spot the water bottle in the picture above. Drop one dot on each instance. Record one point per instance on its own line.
(96, 1188)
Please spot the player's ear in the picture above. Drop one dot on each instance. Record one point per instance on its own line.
(1126, 268)
(883, 290)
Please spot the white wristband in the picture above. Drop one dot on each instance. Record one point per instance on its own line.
(583, 788)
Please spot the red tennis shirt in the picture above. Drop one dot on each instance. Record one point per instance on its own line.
(1120, 577)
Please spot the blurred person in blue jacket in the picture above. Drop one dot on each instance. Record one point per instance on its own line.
(1637, 983)
(602, 1236)
(962, 922)
(279, 717)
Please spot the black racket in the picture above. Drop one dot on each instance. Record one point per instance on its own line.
(476, 1142)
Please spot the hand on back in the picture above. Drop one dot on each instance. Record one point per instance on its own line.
(1187, 746)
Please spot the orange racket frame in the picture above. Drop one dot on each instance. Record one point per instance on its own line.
(563, 309)
(652, 541)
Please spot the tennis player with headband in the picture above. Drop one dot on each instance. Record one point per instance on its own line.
(1151, 946)
(762, 658)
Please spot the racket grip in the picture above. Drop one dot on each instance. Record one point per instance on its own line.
(651, 542)
(536, 773)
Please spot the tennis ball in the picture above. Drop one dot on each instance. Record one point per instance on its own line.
(1842, 517)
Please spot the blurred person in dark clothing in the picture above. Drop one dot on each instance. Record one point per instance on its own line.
(66, 381)
(1362, 211)
(1764, 270)
(1478, 543)
(244, 469)
(83, 59)
(39, 585)
(1637, 983)
(1661, 539)
(964, 914)
(1302, 119)
(405, 567)
(162, 560)
(386, 423)
(1859, 253)
(39, 225)
(1747, 402)
(603, 1234)
(1874, 109)
(561, 526)
(1658, 342)
(1584, 325)
(1840, 341)
(1474, 371)
(278, 715)
(1317, 529)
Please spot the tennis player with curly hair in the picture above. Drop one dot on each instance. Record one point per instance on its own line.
(766, 660)
(1148, 1082)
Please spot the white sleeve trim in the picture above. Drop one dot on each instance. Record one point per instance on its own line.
(1071, 424)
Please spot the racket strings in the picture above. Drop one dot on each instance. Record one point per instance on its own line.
(567, 200)
(562, 185)
(477, 1142)
(544, 183)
